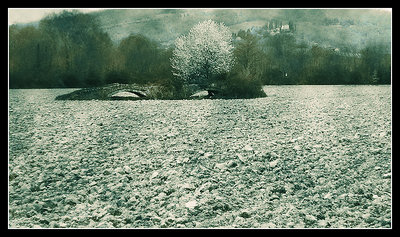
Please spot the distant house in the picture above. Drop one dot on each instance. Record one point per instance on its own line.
(275, 27)
(285, 28)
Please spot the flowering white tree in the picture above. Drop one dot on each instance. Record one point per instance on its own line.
(206, 51)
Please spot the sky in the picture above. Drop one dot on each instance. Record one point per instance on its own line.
(25, 15)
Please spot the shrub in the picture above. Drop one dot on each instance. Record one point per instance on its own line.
(242, 84)
(172, 88)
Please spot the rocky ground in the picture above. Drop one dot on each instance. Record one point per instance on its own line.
(303, 157)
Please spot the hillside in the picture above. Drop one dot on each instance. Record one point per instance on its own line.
(330, 27)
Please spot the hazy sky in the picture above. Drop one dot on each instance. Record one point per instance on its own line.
(25, 15)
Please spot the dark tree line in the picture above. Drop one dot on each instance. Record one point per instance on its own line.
(278, 59)
(71, 50)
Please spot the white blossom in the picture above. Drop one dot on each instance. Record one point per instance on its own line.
(204, 52)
